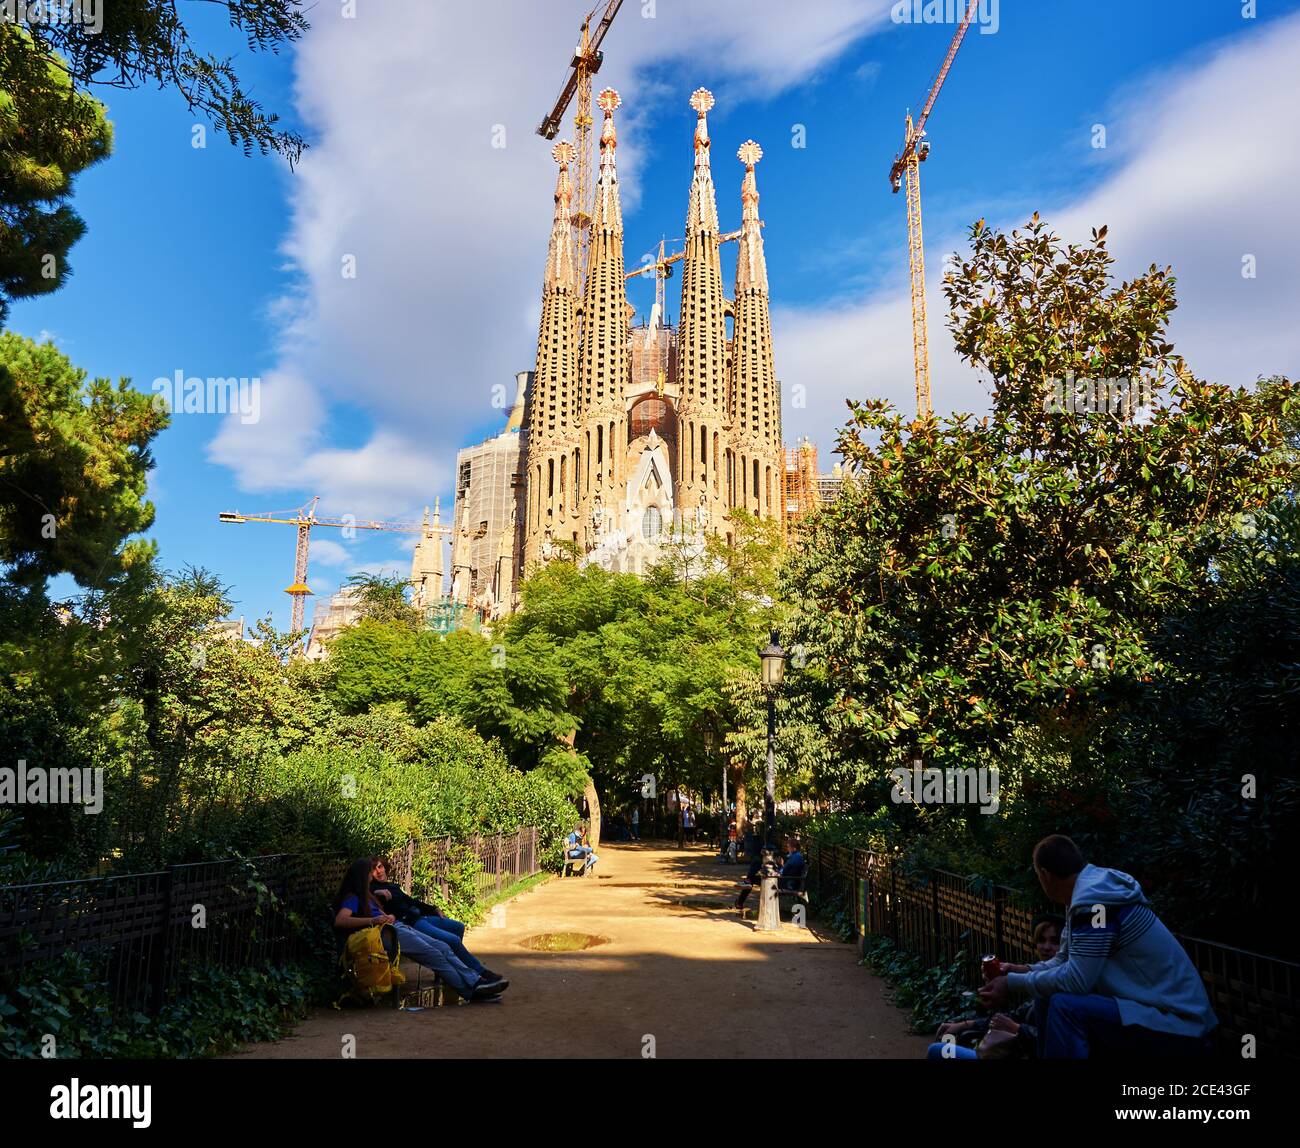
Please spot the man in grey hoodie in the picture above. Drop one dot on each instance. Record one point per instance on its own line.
(1121, 983)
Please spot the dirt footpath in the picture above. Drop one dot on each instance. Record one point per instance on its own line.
(678, 965)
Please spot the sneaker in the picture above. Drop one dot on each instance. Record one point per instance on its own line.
(485, 991)
(489, 976)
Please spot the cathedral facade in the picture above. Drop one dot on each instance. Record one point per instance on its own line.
(633, 438)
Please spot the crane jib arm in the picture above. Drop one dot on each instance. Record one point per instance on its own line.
(594, 57)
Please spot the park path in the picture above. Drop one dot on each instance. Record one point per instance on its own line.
(679, 965)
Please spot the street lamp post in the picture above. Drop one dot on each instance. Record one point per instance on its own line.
(773, 663)
(773, 659)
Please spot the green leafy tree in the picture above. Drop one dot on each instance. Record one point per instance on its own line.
(49, 132)
(982, 575)
(383, 599)
(74, 458)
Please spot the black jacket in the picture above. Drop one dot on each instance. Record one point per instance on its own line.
(402, 905)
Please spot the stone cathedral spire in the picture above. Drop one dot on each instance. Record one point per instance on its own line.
(702, 353)
(548, 509)
(603, 361)
(756, 411)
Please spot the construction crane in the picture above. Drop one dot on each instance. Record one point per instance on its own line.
(663, 271)
(304, 518)
(906, 169)
(587, 58)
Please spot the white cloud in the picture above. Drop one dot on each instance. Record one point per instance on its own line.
(327, 552)
(1211, 178)
(448, 233)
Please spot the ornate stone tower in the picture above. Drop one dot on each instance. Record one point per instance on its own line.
(756, 402)
(550, 507)
(702, 345)
(603, 362)
(636, 444)
(426, 561)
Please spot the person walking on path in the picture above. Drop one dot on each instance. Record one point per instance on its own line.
(636, 823)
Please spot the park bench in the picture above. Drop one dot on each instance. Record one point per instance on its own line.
(798, 893)
(576, 866)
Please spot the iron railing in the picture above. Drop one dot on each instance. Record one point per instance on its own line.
(141, 934)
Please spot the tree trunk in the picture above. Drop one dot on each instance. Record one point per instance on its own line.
(593, 808)
(740, 802)
(589, 795)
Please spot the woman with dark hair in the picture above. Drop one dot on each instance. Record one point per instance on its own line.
(355, 907)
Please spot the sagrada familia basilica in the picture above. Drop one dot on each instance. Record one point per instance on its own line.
(625, 439)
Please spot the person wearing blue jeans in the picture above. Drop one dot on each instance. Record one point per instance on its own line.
(1121, 983)
(1073, 1027)
(356, 908)
(439, 929)
(443, 932)
(576, 848)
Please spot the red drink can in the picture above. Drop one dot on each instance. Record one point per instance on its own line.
(991, 967)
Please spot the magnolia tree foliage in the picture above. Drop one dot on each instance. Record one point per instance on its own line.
(981, 575)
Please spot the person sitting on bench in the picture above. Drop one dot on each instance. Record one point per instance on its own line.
(576, 850)
(355, 907)
(789, 878)
(426, 918)
(1121, 983)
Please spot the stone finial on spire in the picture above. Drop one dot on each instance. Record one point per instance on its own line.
(608, 213)
(702, 214)
(701, 101)
(559, 257)
(751, 266)
(749, 153)
(607, 101)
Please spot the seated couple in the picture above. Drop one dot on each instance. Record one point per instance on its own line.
(1120, 983)
(366, 897)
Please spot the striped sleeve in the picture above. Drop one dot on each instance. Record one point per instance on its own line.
(1091, 945)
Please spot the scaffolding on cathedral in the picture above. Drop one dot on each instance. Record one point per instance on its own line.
(800, 491)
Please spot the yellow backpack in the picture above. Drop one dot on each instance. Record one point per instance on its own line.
(367, 967)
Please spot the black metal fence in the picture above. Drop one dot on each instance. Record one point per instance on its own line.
(140, 934)
(944, 915)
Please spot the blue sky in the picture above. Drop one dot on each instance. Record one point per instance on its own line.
(214, 264)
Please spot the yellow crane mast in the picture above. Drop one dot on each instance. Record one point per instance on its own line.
(587, 58)
(906, 168)
(304, 518)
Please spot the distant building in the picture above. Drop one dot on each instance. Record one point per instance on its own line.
(485, 526)
(804, 489)
(426, 562)
(342, 611)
